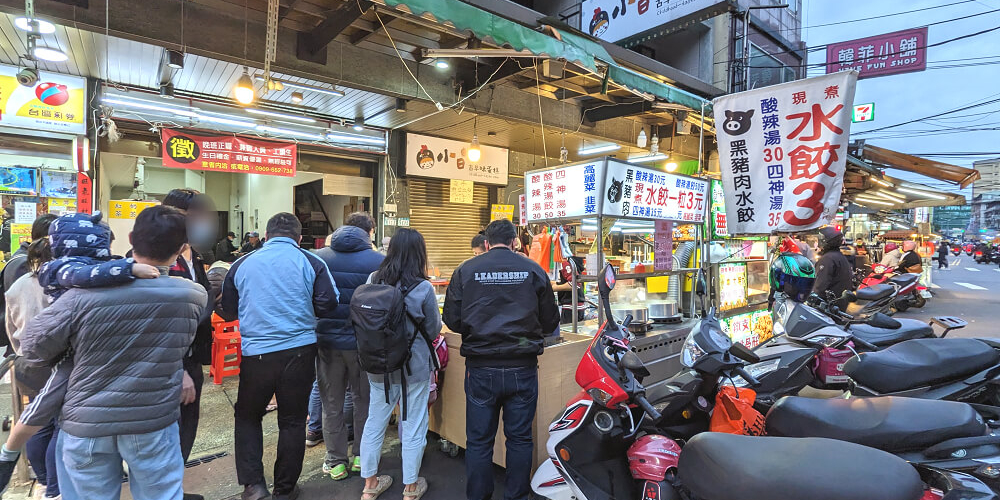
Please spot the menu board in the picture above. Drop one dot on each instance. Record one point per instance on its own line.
(642, 193)
(732, 286)
(663, 246)
(718, 210)
(563, 192)
(750, 329)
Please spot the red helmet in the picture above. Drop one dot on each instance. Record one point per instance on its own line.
(890, 246)
(652, 457)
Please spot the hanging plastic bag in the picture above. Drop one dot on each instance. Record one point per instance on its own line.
(734, 412)
(557, 253)
(541, 247)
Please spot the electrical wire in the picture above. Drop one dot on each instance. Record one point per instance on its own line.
(541, 120)
(878, 17)
(400, 56)
(963, 108)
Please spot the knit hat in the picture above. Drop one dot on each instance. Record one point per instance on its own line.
(80, 235)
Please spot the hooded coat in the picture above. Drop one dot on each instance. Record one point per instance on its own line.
(351, 260)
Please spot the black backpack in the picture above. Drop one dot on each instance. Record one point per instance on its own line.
(379, 316)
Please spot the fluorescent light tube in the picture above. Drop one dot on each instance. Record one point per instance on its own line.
(648, 158)
(598, 149)
(921, 193)
(226, 121)
(152, 107)
(289, 132)
(286, 116)
(355, 138)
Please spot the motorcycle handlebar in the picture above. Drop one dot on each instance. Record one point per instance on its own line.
(627, 321)
(646, 407)
(750, 379)
(865, 344)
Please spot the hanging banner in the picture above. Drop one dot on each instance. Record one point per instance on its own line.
(644, 193)
(84, 194)
(783, 153)
(523, 206)
(221, 153)
(55, 103)
(663, 245)
(890, 54)
(498, 212)
(462, 191)
(428, 156)
(718, 211)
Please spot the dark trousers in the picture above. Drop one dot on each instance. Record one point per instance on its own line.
(488, 391)
(288, 375)
(190, 413)
(942, 260)
(41, 453)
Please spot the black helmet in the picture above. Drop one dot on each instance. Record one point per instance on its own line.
(793, 274)
(830, 239)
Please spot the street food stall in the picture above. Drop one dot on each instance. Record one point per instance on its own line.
(649, 225)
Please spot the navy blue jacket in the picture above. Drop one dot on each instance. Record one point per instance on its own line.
(351, 260)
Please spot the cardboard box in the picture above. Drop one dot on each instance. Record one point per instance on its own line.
(556, 386)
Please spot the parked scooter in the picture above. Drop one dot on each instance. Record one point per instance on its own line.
(909, 293)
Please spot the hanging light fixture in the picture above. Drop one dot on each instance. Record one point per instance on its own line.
(641, 140)
(359, 124)
(474, 152)
(49, 54)
(243, 92)
(297, 97)
(35, 25)
(671, 167)
(654, 144)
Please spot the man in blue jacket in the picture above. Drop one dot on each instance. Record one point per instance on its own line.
(351, 260)
(277, 292)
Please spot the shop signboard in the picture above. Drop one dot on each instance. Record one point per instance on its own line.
(428, 156)
(84, 193)
(24, 212)
(921, 215)
(564, 192)
(783, 153)
(19, 233)
(522, 200)
(863, 113)
(62, 206)
(498, 212)
(228, 153)
(718, 210)
(616, 20)
(663, 246)
(128, 209)
(55, 103)
(749, 329)
(461, 191)
(732, 286)
(643, 193)
(889, 54)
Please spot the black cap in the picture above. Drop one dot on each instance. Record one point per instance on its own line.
(231, 234)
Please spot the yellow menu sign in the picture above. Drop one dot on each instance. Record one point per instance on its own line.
(128, 209)
(498, 212)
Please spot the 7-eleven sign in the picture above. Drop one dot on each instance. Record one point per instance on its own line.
(863, 113)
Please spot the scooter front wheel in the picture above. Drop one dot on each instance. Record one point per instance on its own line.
(920, 301)
(901, 306)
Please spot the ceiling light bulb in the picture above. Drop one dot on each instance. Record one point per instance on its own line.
(474, 152)
(297, 97)
(41, 26)
(654, 144)
(597, 149)
(175, 59)
(49, 54)
(243, 92)
(359, 124)
(441, 64)
(671, 167)
(641, 140)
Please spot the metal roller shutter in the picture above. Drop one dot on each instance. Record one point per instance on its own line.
(447, 227)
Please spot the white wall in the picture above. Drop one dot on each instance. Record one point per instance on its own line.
(218, 187)
(268, 195)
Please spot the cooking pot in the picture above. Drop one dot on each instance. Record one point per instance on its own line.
(639, 312)
(662, 309)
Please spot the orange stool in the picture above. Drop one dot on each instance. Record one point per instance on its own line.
(225, 342)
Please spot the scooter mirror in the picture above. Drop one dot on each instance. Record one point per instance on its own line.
(701, 287)
(631, 362)
(607, 281)
(742, 352)
(850, 296)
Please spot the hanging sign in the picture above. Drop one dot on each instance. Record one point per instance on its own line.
(563, 192)
(461, 191)
(403, 222)
(890, 54)
(128, 209)
(498, 212)
(24, 212)
(615, 20)
(84, 194)
(56, 103)
(220, 153)
(783, 153)
(428, 156)
(62, 206)
(522, 200)
(643, 193)
(663, 245)
(718, 210)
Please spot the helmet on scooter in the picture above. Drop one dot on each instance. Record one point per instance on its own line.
(793, 274)
(653, 457)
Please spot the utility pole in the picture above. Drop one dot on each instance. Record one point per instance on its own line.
(745, 60)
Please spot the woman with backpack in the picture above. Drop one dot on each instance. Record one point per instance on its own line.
(404, 267)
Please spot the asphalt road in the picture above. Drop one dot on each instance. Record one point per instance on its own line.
(968, 290)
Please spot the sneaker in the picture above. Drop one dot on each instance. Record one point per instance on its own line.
(292, 495)
(6, 471)
(356, 465)
(313, 438)
(255, 492)
(337, 472)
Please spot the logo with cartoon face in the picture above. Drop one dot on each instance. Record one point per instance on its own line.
(425, 158)
(737, 122)
(52, 94)
(615, 191)
(599, 23)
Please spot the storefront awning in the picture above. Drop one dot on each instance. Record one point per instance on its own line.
(571, 47)
(891, 193)
(888, 158)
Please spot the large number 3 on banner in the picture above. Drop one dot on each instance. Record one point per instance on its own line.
(814, 203)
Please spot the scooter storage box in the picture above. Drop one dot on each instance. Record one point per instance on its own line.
(830, 365)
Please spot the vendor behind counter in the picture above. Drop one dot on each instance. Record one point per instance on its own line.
(564, 292)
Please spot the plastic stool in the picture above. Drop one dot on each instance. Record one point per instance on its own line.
(225, 342)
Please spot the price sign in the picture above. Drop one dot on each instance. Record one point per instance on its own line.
(462, 191)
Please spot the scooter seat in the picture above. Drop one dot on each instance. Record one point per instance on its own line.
(908, 329)
(717, 466)
(920, 362)
(904, 280)
(875, 292)
(890, 423)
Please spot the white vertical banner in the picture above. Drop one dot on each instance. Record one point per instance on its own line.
(783, 153)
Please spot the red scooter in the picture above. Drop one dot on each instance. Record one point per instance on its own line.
(909, 293)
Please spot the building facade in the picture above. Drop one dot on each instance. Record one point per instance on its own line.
(987, 188)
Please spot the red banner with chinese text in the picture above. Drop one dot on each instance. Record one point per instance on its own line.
(783, 153)
(226, 153)
(84, 193)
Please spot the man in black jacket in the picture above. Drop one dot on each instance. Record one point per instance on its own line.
(833, 271)
(502, 304)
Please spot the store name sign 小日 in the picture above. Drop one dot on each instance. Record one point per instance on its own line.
(428, 156)
(219, 153)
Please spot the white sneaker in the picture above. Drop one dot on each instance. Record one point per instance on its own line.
(38, 493)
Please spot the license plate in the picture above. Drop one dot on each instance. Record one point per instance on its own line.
(925, 294)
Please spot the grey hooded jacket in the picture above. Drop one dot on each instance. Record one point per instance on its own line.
(128, 343)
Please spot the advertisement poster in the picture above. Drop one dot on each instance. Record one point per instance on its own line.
(447, 159)
(718, 210)
(84, 194)
(732, 286)
(563, 192)
(890, 54)
(19, 233)
(58, 184)
(749, 329)
(663, 245)
(462, 191)
(19, 180)
(498, 212)
(128, 209)
(62, 206)
(615, 20)
(220, 153)
(783, 153)
(644, 193)
(56, 103)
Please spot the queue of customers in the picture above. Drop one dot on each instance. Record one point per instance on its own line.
(111, 352)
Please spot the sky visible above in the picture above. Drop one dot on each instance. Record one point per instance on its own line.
(959, 73)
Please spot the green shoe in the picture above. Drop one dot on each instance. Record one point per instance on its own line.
(356, 466)
(338, 472)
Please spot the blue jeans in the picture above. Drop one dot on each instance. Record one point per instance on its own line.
(487, 392)
(41, 453)
(316, 410)
(91, 468)
(414, 428)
